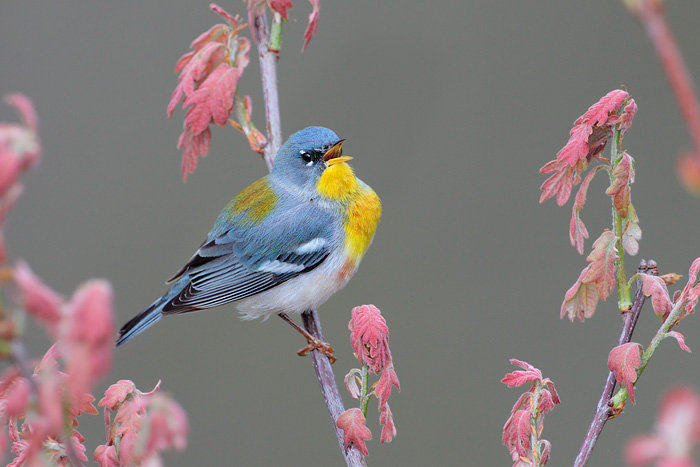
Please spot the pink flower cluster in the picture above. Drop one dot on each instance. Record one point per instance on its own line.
(20, 150)
(83, 327)
(38, 429)
(521, 432)
(369, 337)
(208, 81)
(160, 418)
(588, 138)
(208, 78)
(40, 406)
(62, 382)
(614, 112)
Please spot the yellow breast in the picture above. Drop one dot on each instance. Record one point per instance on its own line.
(361, 205)
(363, 217)
(338, 182)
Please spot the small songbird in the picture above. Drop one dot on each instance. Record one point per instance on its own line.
(284, 245)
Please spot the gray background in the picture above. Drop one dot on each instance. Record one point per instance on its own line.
(450, 109)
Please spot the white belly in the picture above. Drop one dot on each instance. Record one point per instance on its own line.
(301, 293)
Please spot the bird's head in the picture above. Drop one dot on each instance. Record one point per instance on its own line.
(306, 155)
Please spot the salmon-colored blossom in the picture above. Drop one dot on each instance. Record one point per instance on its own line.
(158, 418)
(38, 299)
(88, 336)
(588, 138)
(207, 84)
(520, 437)
(20, 149)
(369, 336)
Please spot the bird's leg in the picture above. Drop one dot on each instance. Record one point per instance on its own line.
(314, 343)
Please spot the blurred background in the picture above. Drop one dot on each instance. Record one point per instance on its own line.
(450, 109)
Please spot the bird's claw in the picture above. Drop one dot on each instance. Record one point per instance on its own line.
(317, 344)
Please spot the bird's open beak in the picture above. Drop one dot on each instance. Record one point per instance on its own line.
(332, 156)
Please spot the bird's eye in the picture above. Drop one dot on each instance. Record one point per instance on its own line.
(306, 157)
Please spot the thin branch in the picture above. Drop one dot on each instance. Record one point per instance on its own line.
(603, 412)
(331, 395)
(651, 14)
(268, 71)
(674, 316)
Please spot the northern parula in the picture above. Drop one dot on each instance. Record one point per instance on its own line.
(285, 244)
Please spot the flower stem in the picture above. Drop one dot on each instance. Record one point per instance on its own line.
(366, 394)
(534, 435)
(276, 35)
(624, 301)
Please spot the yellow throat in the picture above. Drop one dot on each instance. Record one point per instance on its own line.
(360, 204)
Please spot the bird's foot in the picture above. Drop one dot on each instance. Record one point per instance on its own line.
(317, 344)
(314, 342)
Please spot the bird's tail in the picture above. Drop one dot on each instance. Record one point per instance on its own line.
(140, 322)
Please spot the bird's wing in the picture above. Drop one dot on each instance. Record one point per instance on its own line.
(244, 260)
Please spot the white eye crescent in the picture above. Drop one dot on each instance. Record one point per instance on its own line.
(306, 157)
